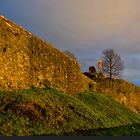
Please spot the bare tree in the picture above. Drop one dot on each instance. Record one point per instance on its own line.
(70, 54)
(112, 63)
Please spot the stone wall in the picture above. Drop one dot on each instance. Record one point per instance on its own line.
(27, 61)
(123, 91)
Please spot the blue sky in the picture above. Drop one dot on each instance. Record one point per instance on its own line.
(84, 27)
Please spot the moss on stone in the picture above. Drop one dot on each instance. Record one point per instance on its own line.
(27, 61)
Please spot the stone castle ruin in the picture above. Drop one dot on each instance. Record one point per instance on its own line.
(27, 61)
(93, 74)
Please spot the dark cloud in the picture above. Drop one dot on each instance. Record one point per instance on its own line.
(85, 27)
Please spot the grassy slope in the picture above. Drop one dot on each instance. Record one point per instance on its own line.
(49, 112)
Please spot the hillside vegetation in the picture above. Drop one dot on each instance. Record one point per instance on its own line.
(49, 112)
(28, 108)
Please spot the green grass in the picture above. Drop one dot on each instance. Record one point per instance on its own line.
(128, 130)
(49, 112)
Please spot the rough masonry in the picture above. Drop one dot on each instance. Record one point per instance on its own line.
(27, 61)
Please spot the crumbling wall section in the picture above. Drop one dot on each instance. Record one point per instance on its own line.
(27, 61)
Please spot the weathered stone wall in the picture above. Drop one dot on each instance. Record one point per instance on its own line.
(26, 61)
(115, 86)
(123, 91)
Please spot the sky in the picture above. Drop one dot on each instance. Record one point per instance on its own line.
(84, 27)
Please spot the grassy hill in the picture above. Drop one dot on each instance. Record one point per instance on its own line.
(27, 61)
(49, 112)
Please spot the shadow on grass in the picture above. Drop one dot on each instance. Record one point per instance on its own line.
(128, 130)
